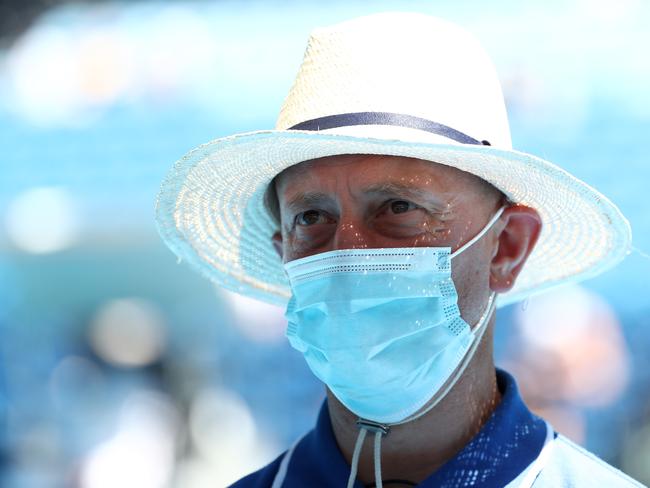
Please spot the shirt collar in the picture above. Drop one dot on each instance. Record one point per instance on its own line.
(506, 444)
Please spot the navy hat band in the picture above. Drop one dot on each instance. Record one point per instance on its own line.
(386, 118)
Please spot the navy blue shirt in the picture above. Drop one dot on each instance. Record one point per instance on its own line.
(508, 442)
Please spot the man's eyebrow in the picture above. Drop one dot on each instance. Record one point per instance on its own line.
(407, 191)
(305, 199)
(301, 200)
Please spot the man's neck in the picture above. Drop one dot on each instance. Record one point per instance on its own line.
(414, 450)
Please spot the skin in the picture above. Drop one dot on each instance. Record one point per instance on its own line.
(369, 201)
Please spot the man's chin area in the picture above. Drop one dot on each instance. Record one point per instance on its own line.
(342, 413)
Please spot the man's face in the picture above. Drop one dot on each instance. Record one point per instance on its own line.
(368, 201)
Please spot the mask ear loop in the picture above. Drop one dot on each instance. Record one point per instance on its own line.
(482, 232)
(478, 332)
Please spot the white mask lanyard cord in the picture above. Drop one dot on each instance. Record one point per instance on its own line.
(382, 429)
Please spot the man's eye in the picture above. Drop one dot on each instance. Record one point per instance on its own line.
(401, 206)
(310, 217)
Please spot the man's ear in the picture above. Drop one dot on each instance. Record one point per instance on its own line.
(515, 242)
(276, 239)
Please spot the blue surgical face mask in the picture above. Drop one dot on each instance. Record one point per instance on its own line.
(381, 327)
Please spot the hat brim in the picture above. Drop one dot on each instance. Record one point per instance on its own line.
(211, 213)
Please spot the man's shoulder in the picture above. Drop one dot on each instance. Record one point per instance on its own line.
(262, 478)
(570, 465)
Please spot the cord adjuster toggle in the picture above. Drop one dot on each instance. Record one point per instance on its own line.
(373, 426)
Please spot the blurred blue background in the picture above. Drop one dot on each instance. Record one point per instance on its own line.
(121, 367)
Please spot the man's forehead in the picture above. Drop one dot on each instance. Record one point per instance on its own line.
(350, 159)
(381, 172)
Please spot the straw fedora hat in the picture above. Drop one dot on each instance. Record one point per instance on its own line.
(400, 84)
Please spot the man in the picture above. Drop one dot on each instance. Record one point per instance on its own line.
(389, 213)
